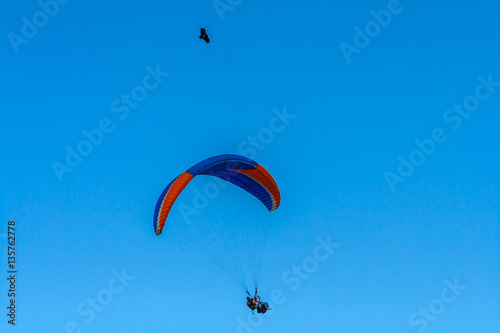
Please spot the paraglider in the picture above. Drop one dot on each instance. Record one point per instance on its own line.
(255, 303)
(204, 36)
(231, 241)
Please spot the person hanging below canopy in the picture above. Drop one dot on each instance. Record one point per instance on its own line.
(256, 303)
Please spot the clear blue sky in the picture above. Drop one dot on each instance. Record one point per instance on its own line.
(356, 103)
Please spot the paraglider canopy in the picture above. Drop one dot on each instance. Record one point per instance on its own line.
(239, 170)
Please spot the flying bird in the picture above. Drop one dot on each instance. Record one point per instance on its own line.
(204, 36)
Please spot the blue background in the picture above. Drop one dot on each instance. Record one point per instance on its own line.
(352, 121)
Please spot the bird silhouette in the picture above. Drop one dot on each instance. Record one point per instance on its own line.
(204, 36)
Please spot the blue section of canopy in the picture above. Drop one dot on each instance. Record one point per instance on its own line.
(223, 166)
